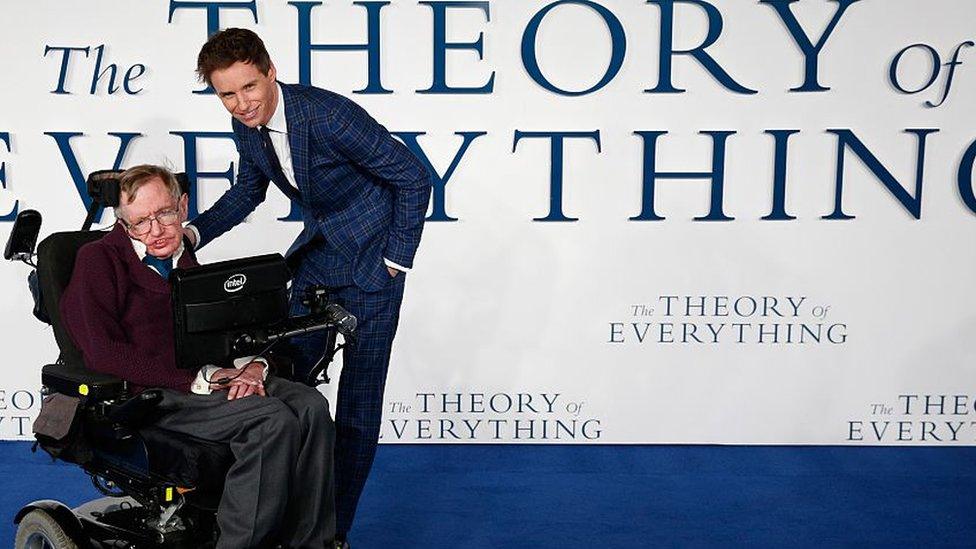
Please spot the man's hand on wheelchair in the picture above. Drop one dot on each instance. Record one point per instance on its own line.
(245, 383)
(191, 236)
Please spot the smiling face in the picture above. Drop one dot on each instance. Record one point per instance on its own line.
(154, 199)
(248, 95)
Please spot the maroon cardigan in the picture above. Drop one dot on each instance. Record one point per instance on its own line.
(118, 312)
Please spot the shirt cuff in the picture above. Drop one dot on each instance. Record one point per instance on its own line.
(200, 386)
(393, 265)
(196, 235)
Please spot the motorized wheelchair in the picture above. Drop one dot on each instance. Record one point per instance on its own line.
(161, 489)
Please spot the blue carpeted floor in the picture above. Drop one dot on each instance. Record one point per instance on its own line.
(624, 496)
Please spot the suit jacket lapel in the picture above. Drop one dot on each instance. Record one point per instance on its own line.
(297, 137)
(252, 143)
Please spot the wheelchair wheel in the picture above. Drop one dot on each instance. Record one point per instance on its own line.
(39, 530)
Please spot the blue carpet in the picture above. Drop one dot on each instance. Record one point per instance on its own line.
(624, 496)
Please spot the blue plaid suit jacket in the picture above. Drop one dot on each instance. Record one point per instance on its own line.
(361, 189)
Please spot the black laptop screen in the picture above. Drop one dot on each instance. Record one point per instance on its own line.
(213, 305)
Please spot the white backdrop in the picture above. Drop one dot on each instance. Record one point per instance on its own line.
(813, 330)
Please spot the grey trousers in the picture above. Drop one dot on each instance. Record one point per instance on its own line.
(280, 486)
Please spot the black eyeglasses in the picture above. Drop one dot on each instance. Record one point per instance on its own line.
(165, 218)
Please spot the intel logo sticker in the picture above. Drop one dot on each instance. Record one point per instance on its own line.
(235, 283)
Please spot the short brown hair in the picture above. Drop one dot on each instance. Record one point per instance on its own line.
(136, 177)
(229, 46)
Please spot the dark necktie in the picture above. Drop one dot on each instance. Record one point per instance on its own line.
(162, 266)
(277, 175)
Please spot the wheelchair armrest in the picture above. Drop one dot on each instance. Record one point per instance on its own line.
(75, 381)
(137, 410)
(120, 420)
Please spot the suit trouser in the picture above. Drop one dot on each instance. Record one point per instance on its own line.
(280, 486)
(365, 362)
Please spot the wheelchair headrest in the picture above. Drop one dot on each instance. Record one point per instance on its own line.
(103, 186)
(55, 263)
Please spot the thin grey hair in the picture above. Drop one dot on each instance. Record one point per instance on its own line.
(136, 177)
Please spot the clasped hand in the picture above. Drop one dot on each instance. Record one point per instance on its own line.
(245, 383)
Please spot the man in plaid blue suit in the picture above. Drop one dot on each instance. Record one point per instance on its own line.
(363, 197)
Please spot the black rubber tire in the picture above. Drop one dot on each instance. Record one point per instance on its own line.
(38, 527)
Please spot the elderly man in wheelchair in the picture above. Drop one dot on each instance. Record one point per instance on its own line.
(227, 453)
